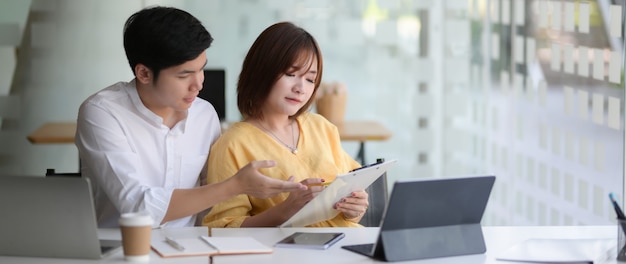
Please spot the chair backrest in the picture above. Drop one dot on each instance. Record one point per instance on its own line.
(52, 172)
(214, 90)
(377, 198)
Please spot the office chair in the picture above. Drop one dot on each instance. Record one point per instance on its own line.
(52, 172)
(377, 198)
(214, 90)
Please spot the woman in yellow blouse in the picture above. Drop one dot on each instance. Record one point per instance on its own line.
(277, 85)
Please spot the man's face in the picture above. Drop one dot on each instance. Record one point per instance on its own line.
(178, 86)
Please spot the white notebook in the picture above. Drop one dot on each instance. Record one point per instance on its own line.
(561, 251)
(199, 244)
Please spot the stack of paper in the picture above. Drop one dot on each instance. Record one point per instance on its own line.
(561, 251)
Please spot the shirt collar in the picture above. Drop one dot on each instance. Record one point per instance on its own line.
(156, 120)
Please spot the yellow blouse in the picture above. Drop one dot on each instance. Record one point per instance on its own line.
(319, 155)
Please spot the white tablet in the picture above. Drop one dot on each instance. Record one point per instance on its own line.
(321, 207)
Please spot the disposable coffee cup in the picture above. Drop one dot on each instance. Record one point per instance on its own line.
(136, 231)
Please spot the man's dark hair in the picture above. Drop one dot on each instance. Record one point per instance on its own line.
(162, 37)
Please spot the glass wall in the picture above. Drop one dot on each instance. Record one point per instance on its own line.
(545, 109)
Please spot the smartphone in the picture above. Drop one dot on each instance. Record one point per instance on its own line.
(310, 240)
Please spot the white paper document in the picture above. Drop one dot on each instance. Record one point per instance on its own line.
(561, 251)
(321, 207)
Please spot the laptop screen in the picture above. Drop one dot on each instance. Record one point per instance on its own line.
(48, 217)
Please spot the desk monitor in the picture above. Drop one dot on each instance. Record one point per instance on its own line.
(49, 217)
(431, 218)
(214, 89)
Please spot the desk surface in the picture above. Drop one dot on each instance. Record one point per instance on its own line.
(497, 239)
(63, 132)
(54, 132)
(363, 131)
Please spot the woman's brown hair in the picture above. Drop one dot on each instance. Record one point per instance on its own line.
(273, 53)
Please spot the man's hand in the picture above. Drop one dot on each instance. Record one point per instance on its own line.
(253, 183)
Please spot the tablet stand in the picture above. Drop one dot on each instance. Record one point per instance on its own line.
(431, 242)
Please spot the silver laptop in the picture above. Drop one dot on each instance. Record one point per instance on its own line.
(431, 218)
(50, 217)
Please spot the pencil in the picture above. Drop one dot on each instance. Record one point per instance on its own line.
(321, 184)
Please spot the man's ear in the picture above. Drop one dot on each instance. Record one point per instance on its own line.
(143, 73)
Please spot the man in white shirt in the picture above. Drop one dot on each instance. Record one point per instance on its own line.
(144, 143)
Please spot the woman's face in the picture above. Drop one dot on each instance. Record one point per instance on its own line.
(293, 89)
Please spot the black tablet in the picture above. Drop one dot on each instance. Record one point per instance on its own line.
(310, 240)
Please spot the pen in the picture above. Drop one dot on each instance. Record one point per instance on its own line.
(366, 166)
(174, 244)
(618, 210)
(208, 242)
(321, 184)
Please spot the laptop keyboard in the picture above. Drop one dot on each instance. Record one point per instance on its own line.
(104, 249)
(107, 246)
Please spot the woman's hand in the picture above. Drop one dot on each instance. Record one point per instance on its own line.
(297, 199)
(353, 207)
(280, 213)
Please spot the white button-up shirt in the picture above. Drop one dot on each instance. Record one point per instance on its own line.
(133, 160)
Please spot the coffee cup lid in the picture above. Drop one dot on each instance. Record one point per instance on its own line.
(135, 219)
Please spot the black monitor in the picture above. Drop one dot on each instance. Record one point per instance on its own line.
(213, 90)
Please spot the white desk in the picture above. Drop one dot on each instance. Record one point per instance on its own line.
(116, 257)
(497, 239)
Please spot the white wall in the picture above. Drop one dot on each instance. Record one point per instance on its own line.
(72, 49)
